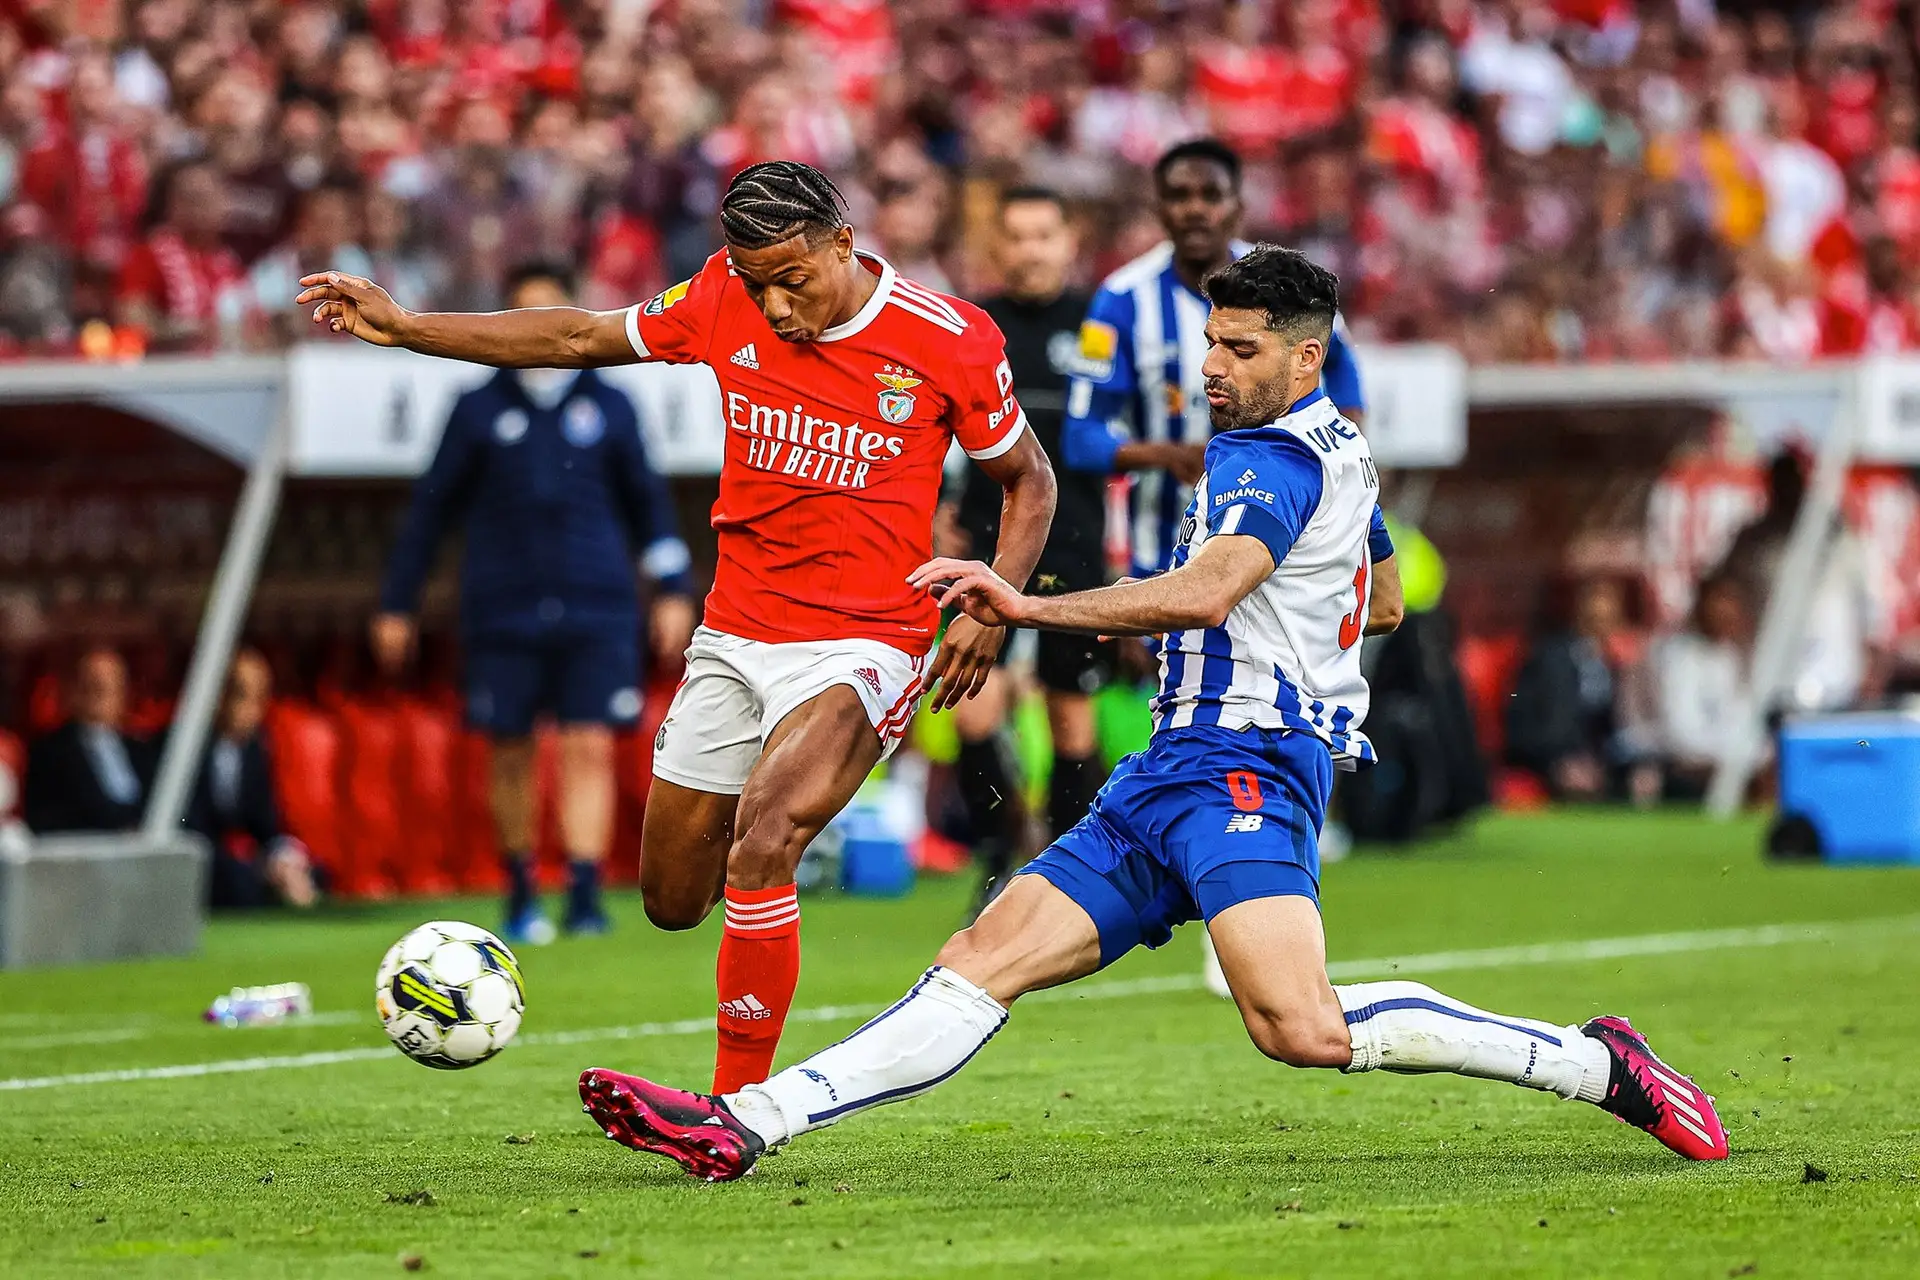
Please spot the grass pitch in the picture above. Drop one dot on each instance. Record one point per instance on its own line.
(1116, 1130)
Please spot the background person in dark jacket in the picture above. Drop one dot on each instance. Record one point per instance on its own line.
(547, 472)
(1562, 718)
(1040, 314)
(89, 774)
(255, 862)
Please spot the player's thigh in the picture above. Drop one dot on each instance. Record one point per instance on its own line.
(1130, 893)
(1031, 937)
(815, 759)
(594, 679)
(684, 839)
(1273, 951)
(505, 686)
(702, 756)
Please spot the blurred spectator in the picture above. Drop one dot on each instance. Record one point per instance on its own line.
(1601, 165)
(398, 259)
(1698, 685)
(255, 863)
(325, 237)
(1562, 719)
(89, 774)
(1840, 661)
(182, 286)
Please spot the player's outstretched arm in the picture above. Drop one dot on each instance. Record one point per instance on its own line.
(528, 338)
(1200, 593)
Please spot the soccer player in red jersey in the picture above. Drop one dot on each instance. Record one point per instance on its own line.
(842, 385)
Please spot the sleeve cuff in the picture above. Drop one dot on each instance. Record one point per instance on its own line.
(1249, 521)
(1004, 443)
(633, 332)
(1379, 541)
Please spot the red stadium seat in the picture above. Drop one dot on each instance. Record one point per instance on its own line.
(549, 857)
(372, 833)
(478, 857)
(429, 742)
(305, 743)
(13, 763)
(1488, 667)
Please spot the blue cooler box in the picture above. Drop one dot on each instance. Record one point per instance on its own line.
(1856, 778)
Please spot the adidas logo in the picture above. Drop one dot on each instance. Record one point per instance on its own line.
(872, 678)
(746, 357)
(746, 1008)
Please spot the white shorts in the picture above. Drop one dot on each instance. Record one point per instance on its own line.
(736, 690)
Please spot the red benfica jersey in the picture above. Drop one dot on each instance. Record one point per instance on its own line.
(834, 449)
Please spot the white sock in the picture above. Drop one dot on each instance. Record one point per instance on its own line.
(926, 1036)
(1408, 1027)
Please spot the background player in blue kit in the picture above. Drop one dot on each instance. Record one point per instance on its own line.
(1261, 698)
(546, 472)
(1139, 405)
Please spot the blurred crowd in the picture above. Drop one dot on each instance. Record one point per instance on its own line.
(1530, 180)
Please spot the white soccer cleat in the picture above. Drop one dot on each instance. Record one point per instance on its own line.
(1210, 971)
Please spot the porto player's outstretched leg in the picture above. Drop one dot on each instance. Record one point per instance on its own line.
(1036, 935)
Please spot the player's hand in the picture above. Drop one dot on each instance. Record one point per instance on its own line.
(670, 628)
(391, 637)
(984, 595)
(965, 660)
(350, 304)
(1189, 463)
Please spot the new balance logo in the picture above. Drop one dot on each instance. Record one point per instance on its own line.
(872, 678)
(1245, 822)
(746, 357)
(745, 1008)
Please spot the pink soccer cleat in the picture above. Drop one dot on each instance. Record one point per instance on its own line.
(1648, 1094)
(694, 1130)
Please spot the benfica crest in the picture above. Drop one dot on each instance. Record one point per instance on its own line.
(896, 402)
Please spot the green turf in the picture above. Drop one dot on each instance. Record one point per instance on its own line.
(1119, 1136)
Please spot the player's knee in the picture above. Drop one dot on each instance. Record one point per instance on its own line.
(1299, 1040)
(674, 911)
(767, 851)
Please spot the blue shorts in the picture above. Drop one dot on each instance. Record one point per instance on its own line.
(1203, 819)
(576, 679)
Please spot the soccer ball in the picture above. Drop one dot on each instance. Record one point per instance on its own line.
(449, 995)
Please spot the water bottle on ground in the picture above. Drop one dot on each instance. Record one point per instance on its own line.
(257, 1006)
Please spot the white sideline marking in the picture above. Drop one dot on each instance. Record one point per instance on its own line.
(149, 1026)
(1646, 944)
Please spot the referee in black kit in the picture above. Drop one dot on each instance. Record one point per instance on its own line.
(1040, 316)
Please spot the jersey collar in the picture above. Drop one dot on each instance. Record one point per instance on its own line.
(865, 315)
(1313, 397)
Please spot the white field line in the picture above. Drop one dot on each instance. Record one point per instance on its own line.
(140, 1028)
(1648, 944)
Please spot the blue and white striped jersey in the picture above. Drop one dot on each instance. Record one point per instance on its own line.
(1141, 348)
(1288, 655)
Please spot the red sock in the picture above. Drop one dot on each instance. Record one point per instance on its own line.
(758, 970)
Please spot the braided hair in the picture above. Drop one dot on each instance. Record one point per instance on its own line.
(777, 200)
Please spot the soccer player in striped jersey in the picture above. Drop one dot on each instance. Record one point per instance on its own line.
(1139, 404)
(1261, 699)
